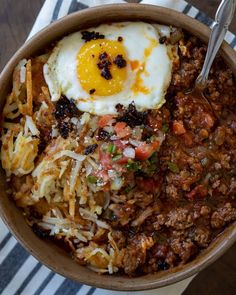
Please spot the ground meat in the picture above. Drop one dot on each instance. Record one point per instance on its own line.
(159, 221)
(179, 218)
(202, 236)
(205, 211)
(223, 215)
(184, 249)
(135, 254)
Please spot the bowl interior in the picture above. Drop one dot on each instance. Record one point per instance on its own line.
(47, 252)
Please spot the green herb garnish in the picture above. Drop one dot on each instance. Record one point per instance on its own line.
(165, 127)
(92, 179)
(133, 166)
(111, 148)
(173, 167)
(153, 159)
(128, 189)
(117, 157)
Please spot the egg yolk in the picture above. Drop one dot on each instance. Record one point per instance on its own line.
(90, 59)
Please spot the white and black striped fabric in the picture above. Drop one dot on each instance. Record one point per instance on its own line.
(20, 273)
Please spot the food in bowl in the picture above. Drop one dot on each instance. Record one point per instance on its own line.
(108, 156)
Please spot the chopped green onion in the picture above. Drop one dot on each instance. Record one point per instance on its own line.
(153, 159)
(111, 148)
(133, 166)
(165, 127)
(173, 167)
(153, 138)
(117, 157)
(92, 179)
(128, 189)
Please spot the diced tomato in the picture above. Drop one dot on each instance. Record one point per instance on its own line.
(145, 150)
(199, 191)
(178, 128)
(105, 121)
(155, 122)
(122, 160)
(105, 159)
(122, 130)
(149, 185)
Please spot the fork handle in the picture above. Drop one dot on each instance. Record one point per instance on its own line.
(223, 18)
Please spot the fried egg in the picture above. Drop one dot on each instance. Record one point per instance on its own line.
(121, 64)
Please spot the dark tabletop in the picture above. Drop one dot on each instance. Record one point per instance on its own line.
(16, 20)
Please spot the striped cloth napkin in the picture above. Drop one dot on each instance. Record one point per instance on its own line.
(20, 273)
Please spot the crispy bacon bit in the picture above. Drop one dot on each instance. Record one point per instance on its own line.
(65, 108)
(119, 39)
(88, 36)
(103, 135)
(131, 116)
(104, 66)
(162, 40)
(120, 62)
(91, 91)
(90, 149)
(103, 56)
(64, 128)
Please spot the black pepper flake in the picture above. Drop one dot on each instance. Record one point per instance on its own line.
(90, 149)
(103, 135)
(64, 129)
(91, 91)
(119, 61)
(162, 39)
(131, 116)
(103, 55)
(88, 36)
(120, 39)
(105, 73)
(104, 66)
(65, 108)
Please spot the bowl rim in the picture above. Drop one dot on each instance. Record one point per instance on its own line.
(201, 31)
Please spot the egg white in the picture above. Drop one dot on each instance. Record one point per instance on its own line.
(60, 71)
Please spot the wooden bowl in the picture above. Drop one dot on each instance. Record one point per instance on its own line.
(47, 252)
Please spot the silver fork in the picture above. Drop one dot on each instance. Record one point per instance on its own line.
(223, 18)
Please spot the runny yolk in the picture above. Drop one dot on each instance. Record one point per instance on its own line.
(88, 72)
(138, 85)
